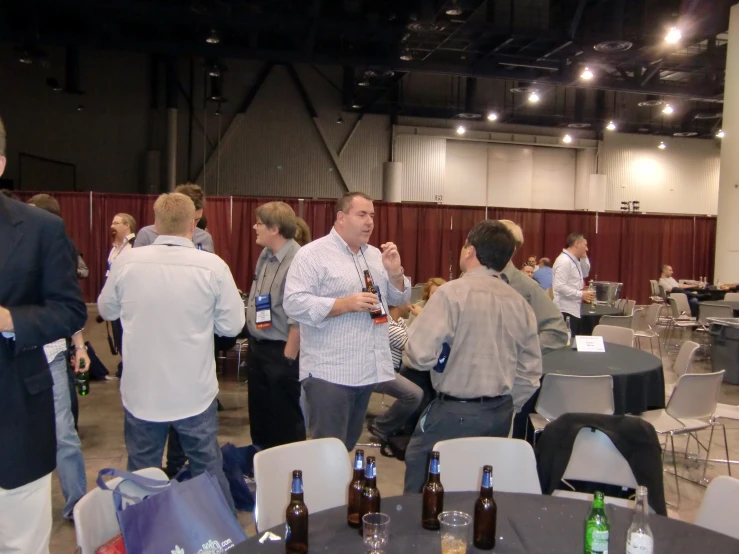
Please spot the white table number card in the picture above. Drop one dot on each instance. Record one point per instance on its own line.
(590, 344)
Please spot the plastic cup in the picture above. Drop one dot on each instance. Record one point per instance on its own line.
(455, 532)
(376, 532)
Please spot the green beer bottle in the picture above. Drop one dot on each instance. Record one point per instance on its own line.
(83, 379)
(597, 529)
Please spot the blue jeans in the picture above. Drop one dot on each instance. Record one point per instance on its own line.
(199, 438)
(70, 465)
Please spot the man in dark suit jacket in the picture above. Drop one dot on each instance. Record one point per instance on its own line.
(40, 302)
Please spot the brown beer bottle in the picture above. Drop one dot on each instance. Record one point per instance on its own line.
(433, 496)
(370, 501)
(486, 513)
(296, 518)
(355, 491)
(370, 286)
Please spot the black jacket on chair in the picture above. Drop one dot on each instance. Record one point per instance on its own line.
(38, 284)
(634, 438)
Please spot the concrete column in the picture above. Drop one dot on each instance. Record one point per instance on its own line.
(727, 241)
(392, 177)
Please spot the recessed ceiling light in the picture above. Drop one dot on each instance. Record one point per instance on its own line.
(533, 97)
(611, 126)
(667, 110)
(356, 106)
(662, 146)
(213, 37)
(363, 83)
(586, 74)
(454, 9)
(492, 116)
(406, 55)
(673, 35)
(461, 130)
(720, 134)
(567, 139)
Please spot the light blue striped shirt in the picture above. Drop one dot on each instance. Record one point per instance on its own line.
(349, 349)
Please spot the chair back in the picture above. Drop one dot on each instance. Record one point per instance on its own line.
(651, 316)
(586, 394)
(513, 460)
(695, 395)
(95, 519)
(595, 458)
(655, 287)
(620, 304)
(629, 307)
(681, 304)
(732, 297)
(326, 468)
(717, 511)
(615, 335)
(713, 310)
(685, 357)
(626, 321)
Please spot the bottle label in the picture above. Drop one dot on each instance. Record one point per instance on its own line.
(359, 462)
(287, 531)
(599, 542)
(639, 543)
(370, 472)
(297, 487)
(487, 480)
(435, 467)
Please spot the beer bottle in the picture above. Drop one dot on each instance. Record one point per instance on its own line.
(597, 529)
(355, 491)
(433, 496)
(370, 501)
(639, 538)
(83, 379)
(296, 518)
(377, 311)
(486, 513)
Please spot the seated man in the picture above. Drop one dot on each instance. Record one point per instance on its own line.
(668, 282)
(543, 275)
(408, 396)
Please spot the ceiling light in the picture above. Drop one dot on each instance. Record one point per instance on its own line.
(492, 116)
(406, 55)
(54, 84)
(340, 120)
(586, 74)
(454, 9)
(673, 35)
(667, 110)
(25, 58)
(611, 126)
(720, 134)
(356, 106)
(567, 139)
(533, 97)
(461, 130)
(363, 83)
(214, 71)
(662, 146)
(80, 107)
(213, 37)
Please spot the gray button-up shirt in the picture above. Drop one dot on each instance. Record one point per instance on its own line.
(492, 334)
(551, 325)
(349, 349)
(270, 279)
(201, 239)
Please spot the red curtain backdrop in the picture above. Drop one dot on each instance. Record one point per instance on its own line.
(625, 248)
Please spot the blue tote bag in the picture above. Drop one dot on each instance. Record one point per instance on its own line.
(158, 517)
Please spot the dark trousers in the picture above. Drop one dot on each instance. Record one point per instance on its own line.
(450, 419)
(336, 411)
(117, 329)
(275, 416)
(423, 380)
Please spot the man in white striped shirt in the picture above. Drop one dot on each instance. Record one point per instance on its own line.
(344, 344)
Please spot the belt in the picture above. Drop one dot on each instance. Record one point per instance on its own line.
(444, 397)
(266, 342)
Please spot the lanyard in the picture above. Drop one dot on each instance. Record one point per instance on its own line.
(264, 272)
(577, 264)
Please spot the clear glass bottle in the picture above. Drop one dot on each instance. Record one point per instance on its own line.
(639, 538)
(569, 331)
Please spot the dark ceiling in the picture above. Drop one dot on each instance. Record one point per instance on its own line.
(540, 43)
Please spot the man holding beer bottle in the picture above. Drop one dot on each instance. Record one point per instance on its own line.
(478, 337)
(344, 344)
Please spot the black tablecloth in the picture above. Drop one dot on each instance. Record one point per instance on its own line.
(638, 381)
(527, 524)
(591, 319)
(731, 303)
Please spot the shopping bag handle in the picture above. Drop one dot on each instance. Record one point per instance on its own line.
(147, 484)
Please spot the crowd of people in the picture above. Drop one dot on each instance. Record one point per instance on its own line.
(328, 322)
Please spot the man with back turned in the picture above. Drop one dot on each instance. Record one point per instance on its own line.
(478, 337)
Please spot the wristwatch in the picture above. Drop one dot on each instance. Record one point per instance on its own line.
(83, 347)
(402, 272)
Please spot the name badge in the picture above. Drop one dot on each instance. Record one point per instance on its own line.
(264, 311)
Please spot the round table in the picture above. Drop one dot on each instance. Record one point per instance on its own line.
(591, 319)
(527, 524)
(638, 381)
(733, 304)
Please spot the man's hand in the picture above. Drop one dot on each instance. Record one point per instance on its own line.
(360, 302)
(6, 321)
(588, 296)
(77, 357)
(390, 258)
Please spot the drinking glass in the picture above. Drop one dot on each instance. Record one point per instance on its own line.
(455, 532)
(376, 532)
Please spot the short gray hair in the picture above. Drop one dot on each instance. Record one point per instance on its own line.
(174, 213)
(515, 230)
